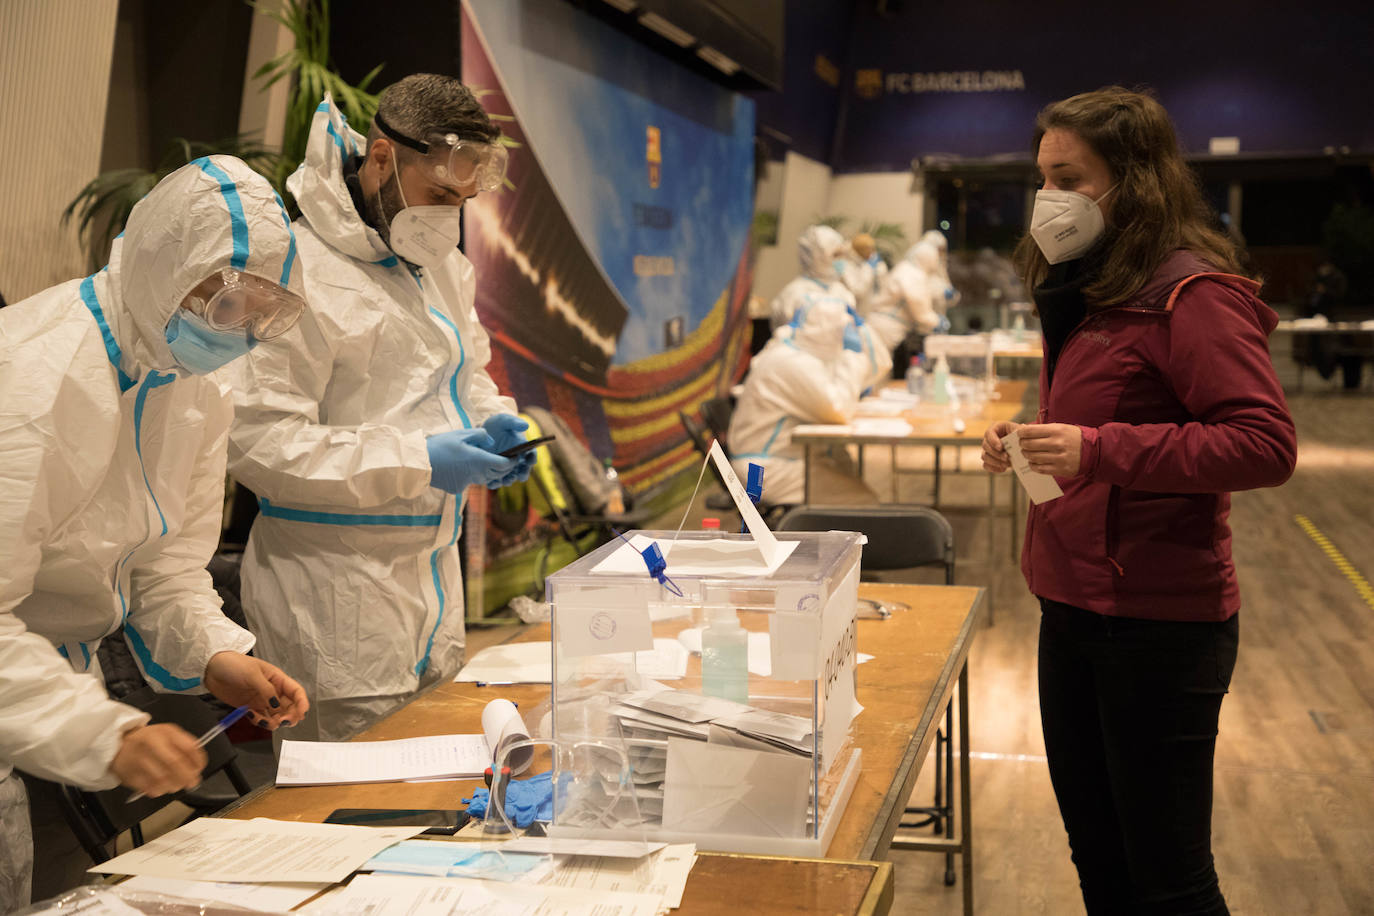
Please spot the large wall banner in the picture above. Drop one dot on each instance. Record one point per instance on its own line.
(613, 277)
(967, 80)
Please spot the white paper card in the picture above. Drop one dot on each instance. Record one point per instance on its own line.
(714, 788)
(768, 544)
(881, 426)
(513, 663)
(323, 763)
(1039, 487)
(582, 846)
(600, 621)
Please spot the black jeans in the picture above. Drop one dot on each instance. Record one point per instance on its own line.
(1129, 710)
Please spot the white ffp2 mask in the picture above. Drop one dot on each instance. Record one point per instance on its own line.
(1065, 224)
(424, 236)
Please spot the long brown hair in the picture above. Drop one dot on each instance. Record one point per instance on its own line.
(1157, 205)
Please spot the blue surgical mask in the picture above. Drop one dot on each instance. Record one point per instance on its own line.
(199, 348)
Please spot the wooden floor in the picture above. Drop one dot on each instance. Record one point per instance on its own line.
(1294, 811)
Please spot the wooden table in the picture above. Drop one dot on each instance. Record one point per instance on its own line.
(1009, 404)
(920, 653)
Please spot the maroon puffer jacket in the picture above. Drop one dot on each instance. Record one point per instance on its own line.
(1179, 404)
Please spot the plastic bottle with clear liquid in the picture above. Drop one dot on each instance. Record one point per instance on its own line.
(916, 378)
(725, 656)
(940, 383)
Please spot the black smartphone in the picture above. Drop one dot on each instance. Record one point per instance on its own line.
(526, 446)
(438, 821)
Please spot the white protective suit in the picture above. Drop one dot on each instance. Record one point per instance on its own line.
(941, 289)
(804, 377)
(113, 469)
(863, 278)
(904, 302)
(351, 579)
(818, 247)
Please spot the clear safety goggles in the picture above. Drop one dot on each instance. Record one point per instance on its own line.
(264, 308)
(468, 165)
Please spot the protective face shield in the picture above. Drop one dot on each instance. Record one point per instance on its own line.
(469, 165)
(199, 348)
(245, 302)
(1065, 224)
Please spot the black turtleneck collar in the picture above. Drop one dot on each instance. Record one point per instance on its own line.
(355, 187)
(1060, 302)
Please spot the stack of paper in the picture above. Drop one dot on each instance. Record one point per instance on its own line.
(384, 895)
(663, 873)
(259, 851)
(650, 718)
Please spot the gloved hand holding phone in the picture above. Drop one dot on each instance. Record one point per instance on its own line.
(508, 431)
(462, 457)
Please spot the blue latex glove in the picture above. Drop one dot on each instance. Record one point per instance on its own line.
(462, 457)
(527, 800)
(507, 431)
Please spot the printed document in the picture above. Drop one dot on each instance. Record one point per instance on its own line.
(258, 851)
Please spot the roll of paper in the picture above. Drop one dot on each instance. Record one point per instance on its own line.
(502, 725)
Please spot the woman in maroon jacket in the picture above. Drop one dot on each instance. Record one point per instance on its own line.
(1157, 398)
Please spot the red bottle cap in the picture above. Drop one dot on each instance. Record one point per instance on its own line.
(710, 523)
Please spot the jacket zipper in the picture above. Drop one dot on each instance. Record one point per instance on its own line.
(1110, 536)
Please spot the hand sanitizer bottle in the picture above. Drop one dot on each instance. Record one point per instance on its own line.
(916, 377)
(941, 382)
(725, 656)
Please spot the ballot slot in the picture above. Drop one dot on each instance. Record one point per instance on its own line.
(779, 698)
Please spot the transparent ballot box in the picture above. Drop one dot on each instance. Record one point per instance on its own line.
(728, 681)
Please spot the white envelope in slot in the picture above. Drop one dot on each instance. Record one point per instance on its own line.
(715, 788)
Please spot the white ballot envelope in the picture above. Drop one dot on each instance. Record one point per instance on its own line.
(1039, 487)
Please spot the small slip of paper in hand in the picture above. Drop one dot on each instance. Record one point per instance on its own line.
(1039, 487)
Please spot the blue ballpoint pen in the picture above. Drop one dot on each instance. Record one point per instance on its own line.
(219, 728)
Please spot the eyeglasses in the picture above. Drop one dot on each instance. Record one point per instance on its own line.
(453, 161)
(264, 308)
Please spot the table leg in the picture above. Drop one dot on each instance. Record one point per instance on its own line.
(965, 793)
(935, 498)
(894, 475)
(806, 474)
(992, 543)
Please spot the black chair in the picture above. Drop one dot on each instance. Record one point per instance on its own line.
(716, 414)
(901, 537)
(701, 441)
(97, 818)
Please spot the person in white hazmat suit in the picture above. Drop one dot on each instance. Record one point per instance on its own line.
(862, 270)
(821, 251)
(903, 304)
(941, 288)
(112, 452)
(361, 435)
(802, 377)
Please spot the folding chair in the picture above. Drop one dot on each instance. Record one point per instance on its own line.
(97, 818)
(901, 537)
